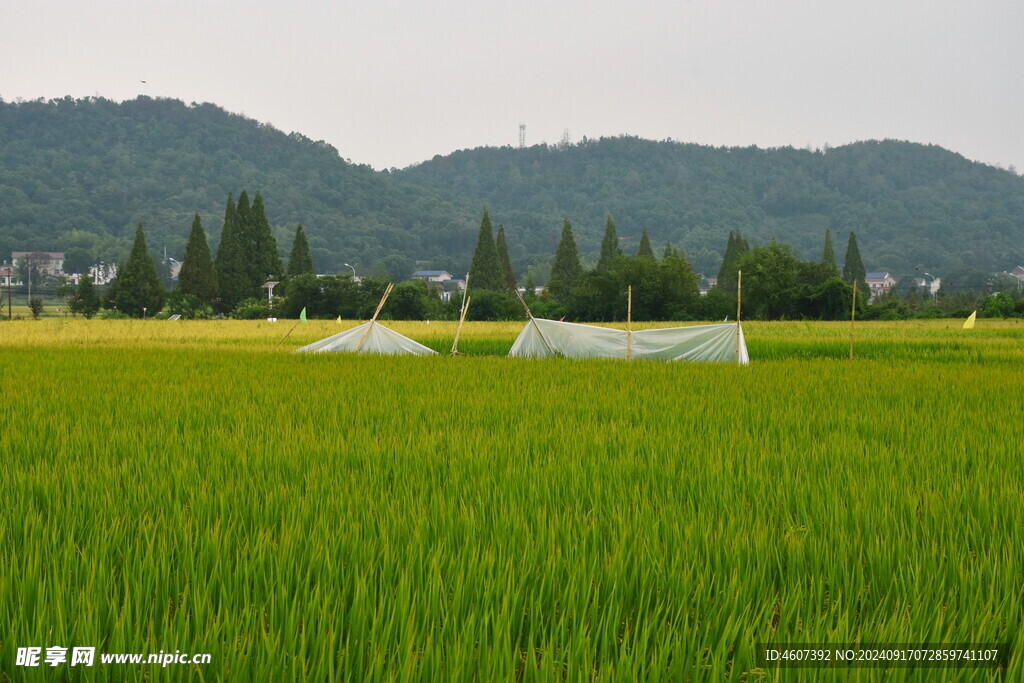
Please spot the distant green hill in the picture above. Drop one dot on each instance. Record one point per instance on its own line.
(83, 173)
(910, 204)
(80, 174)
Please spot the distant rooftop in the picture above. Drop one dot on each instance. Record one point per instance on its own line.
(38, 254)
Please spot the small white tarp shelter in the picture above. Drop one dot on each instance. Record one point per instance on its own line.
(378, 339)
(541, 338)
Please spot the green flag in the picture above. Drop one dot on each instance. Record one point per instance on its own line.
(302, 316)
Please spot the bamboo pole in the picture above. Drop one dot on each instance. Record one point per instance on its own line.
(462, 317)
(458, 331)
(369, 326)
(530, 313)
(629, 321)
(288, 333)
(853, 317)
(739, 304)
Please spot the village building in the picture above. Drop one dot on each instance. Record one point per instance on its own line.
(46, 263)
(880, 283)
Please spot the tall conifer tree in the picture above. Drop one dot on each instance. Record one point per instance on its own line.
(645, 250)
(300, 262)
(828, 254)
(485, 270)
(244, 212)
(566, 270)
(853, 268)
(265, 263)
(231, 262)
(610, 249)
(137, 291)
(197, 275)
(735, 248)
(507, 272)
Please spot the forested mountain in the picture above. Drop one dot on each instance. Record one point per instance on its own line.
(909, 204)
(80, 174)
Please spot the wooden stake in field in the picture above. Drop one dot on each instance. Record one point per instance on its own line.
(739, 302)
(530, 313)
(369, 326)
(462, 318)
(289, 332)
(629, 321)
(853, 317)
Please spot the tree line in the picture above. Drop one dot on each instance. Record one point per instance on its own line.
(775, 285)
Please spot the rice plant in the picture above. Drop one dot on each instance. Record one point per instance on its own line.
(188, 487)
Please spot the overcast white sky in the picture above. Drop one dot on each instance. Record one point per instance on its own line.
(394, 82)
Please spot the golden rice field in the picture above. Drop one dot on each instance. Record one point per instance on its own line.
(187, 486)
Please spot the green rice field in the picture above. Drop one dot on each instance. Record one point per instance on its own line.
(187, 486)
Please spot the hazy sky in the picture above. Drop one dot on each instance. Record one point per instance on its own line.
(394, 82)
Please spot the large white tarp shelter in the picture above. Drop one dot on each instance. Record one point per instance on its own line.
(378, 339)
(541, 338)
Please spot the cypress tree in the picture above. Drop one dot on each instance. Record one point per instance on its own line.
(828, 254)
(508, 274)
(645, 250)
(246, 230)
(265, 263)
(137, 291)
(231, 263)
(730, 252)
(566, 270)
(300, 262)
(197, 275)
(853, 268)
(244, 213)
(735, 248)
(609, 246)
(485, 271)
(669, 251)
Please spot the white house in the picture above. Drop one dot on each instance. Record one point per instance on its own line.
(931, 286)
(705, 285)
(8, 276)
(880, 283)
(46, 263)
(449, 288)
(436, 276)
(103, 273)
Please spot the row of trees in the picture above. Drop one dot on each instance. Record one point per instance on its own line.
(776, 283)
(246, 259)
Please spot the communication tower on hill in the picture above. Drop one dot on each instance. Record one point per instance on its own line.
(522, 135)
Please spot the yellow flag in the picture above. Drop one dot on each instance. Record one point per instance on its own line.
(969, 323)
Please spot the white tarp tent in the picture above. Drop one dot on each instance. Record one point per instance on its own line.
(541, 338)
(378, 339)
